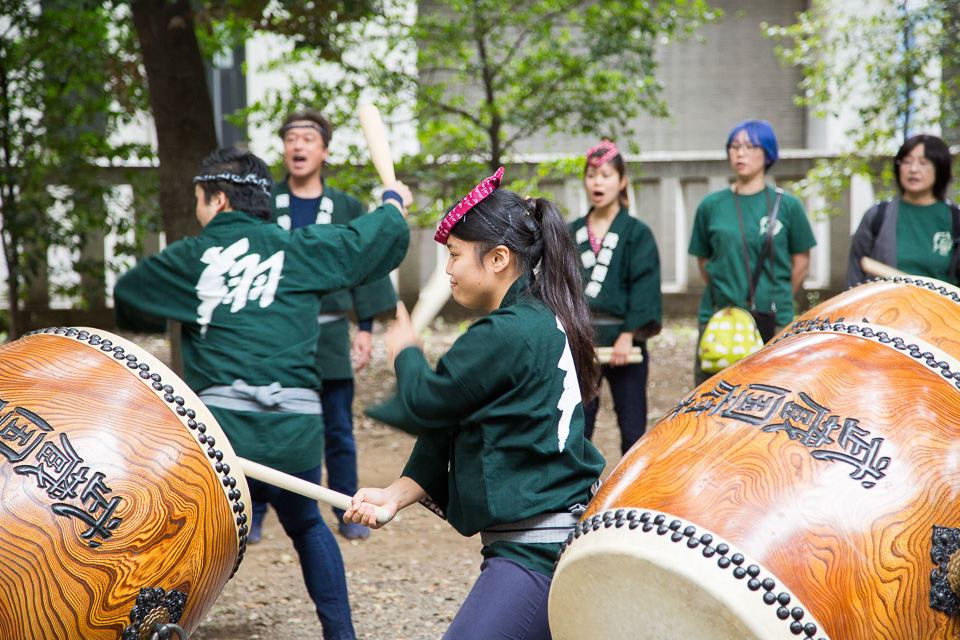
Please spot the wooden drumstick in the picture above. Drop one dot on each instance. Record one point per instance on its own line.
(379, 148)
(258, 471)
(878, 269)
(433, 295)
(604, 353)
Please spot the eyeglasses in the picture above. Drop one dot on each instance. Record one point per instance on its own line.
(746, 147)
(922, 163)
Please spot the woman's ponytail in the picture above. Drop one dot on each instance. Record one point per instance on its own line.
(557, 281)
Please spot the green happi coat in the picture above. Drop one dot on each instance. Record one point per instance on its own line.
(248, 293)
(500, 424)
(716, 237)
(623, 281)
(367, 300)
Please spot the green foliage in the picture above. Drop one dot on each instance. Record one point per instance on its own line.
(491, 74)
(856, 66)
(67, 82)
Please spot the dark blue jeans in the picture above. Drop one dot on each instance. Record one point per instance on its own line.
(628, 386)
(507, 601)
(340, 450)
(320, 558)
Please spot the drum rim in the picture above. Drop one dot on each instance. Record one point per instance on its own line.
(900, 341)
(233, 482)
(932, 284)
(685, 536)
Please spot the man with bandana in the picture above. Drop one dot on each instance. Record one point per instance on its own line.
(304, 198)
(247, 293)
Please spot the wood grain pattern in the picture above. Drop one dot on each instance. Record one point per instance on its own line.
(176, 528)
(917, 310)
(858, 558)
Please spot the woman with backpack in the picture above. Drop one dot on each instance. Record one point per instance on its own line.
(744, 260)
(915, 232)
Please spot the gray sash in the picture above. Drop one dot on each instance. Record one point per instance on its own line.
(272, 398)
(327, 318)
(605, 319)
(545, 528)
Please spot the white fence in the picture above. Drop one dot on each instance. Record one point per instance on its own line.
(666, 189)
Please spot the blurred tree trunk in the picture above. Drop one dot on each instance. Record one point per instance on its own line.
(182, 110)
(182, 113)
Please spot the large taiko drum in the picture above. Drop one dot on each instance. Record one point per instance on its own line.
(121, 501)
(923, 307)
(808, 491)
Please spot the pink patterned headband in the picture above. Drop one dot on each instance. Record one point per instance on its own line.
(608, 147)
(479, 192)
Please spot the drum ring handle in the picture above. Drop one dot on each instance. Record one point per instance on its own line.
(945, 578)
(163, 631)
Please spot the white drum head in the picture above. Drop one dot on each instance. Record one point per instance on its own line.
(636, 573)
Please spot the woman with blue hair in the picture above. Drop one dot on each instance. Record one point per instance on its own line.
(744, 259)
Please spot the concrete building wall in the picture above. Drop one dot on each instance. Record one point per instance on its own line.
(727, 74)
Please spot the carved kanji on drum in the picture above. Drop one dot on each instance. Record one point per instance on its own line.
(121, 501)
(810, 490)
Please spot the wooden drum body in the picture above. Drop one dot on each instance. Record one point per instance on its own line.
(121, 501)
(923, 307)
(807, 491)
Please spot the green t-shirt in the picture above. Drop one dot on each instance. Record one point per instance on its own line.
(716, 236)
(924, 240)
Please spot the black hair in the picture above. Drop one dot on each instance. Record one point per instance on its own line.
(936, 151)
(620, 166)
(310, 115)
(252, 199)
(535, 233)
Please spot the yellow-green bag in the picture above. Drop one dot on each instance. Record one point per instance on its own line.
(731, 335)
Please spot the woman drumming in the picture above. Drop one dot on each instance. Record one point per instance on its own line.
(621, 268)
(914, 232)
(735, 221)
(500, 421)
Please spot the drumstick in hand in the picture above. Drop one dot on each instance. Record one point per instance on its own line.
(379, 148)
(258, 471)
(604, 353)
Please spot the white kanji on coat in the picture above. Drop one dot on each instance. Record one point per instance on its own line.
(234, 277)
(570, 397)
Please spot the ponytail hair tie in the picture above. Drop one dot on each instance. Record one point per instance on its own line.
(535, 210)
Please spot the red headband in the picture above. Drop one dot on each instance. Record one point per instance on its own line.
(479, 192)
(608, 147)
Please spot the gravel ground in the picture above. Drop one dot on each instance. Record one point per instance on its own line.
(408, 579)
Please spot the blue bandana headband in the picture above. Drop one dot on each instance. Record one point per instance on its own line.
(250, 178)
